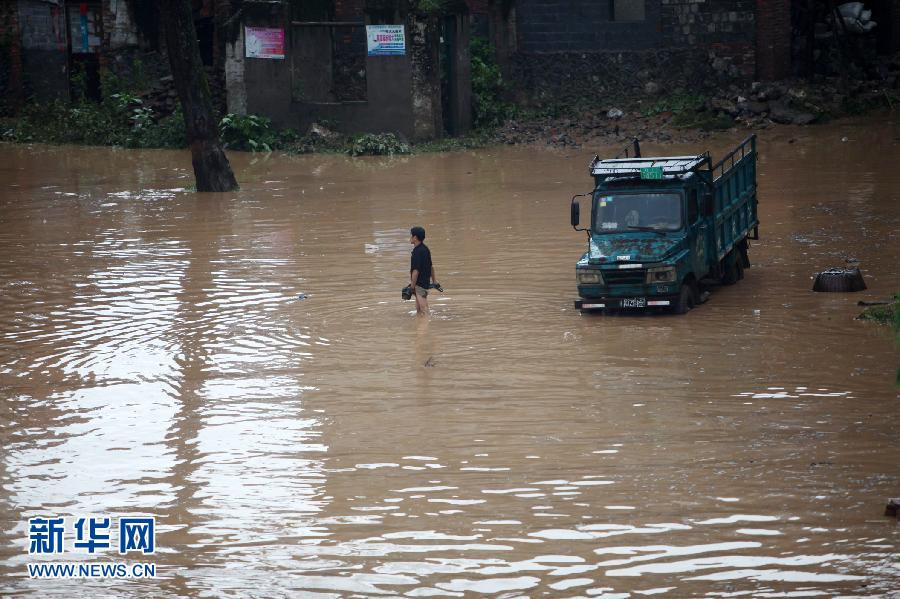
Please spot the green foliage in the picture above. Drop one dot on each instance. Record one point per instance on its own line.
(886, 314)
(250, 133)
(377, 144)
(168, 132)
(5, 60)
(897, 327)
(121, 120)
(453, 144)
(689, 110)
(549, 110)
(860, 104)
(488, 107)
(436, 7)
(78, 83)
(139, 78)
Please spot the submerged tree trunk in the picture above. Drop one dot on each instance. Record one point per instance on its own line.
(211, 168)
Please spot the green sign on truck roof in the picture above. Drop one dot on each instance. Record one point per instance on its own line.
(652, 172)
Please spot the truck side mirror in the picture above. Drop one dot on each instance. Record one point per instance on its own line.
(575, 215)
(709, 204)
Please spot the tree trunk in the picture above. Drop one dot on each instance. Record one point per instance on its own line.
(211, 168)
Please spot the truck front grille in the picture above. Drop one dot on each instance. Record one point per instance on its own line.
(635, 276)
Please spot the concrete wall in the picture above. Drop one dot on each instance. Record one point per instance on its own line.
(235, 86)
(388, 106)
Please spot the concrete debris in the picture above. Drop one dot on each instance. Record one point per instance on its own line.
(651, 88)
(321, 132)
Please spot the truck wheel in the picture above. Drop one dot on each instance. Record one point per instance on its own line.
(685, 300)
(743, 257)
(733, 270)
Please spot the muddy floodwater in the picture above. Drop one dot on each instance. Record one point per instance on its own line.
(241, 367)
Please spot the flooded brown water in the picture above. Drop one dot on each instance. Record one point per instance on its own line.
(157, 359)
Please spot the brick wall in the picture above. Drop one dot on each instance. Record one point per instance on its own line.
(727, 28)
(478, 7)
(582, 26)
(349, 10)
(679, 43)
(773, 39)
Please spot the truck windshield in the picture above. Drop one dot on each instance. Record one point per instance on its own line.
(620, 212)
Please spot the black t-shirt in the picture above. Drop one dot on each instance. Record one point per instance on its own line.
(421, 261)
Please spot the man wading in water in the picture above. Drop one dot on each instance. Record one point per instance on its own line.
(421, 272)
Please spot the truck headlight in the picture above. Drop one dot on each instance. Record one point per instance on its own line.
(661, 274)
(590, 277)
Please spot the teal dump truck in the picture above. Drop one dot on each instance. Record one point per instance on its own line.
(664, 229)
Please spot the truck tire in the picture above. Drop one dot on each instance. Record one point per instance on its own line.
(685, 300)
(838, 279)
(733, 271)
(743, 257)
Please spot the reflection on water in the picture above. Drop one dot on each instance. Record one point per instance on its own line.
(241, 367)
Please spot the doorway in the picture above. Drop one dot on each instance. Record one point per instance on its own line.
(84, 23)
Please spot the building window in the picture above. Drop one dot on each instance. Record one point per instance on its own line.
(627, 10)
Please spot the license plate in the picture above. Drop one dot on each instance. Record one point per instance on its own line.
(634, 302)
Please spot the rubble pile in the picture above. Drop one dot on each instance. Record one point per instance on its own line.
(655, 115)
(162, 98)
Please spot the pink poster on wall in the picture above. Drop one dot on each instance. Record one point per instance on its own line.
(263, 42)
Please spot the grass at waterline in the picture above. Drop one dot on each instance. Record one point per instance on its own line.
(887, 314)
(122, 121)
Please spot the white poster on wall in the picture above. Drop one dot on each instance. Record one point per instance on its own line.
(386, 40)
(264, 42)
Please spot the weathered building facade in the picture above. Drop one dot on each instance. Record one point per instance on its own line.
(309, 61)
(324, 67)
(51, 45)
(303, 61)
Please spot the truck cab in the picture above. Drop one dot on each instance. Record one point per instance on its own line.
(657, 229)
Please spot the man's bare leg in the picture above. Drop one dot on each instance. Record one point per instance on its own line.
(421, 304)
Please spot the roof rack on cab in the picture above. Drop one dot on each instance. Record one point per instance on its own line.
(630, 163)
